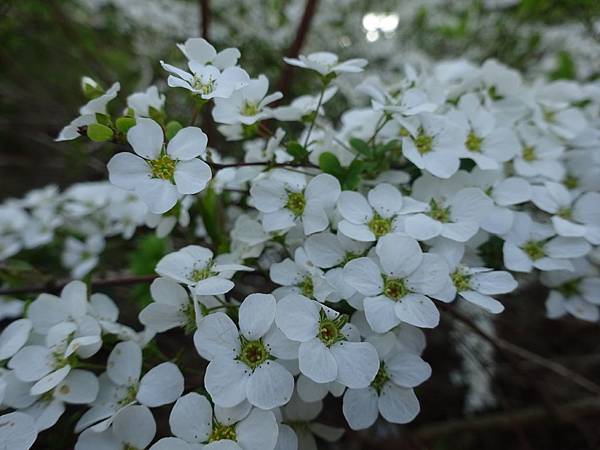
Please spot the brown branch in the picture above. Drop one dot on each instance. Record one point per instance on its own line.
(494, 421)
(205, 17)
(504, 346)
(285, 79)
(57, 286)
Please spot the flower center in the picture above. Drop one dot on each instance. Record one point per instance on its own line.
(130, 395)
(473, 143)
(461, 281)
(296, 203)
(394, 288)
(190, 315)
(162, 167)
(438, 212)
(424, 142)
(204, 88)
(307, 288)
(201, 274)
(571, 182)
(534, 249)
(249, 109)
(380, 226)
(529, 153)
(565, 213)
(220, 432)
(253, 353)
(381, 378)
(330, 331)
(550, 116)
(570, 288)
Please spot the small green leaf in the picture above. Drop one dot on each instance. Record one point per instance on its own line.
(297, 151)
(124, 124)
(99, 133)
(360, 146)
(329, 163)
(156, 114)
(172, 128)
(103, 119)
(353, 174)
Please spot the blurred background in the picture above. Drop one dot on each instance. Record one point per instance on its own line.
(480, 396)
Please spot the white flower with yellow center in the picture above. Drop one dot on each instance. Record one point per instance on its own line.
(326, 63)
(159, 175)
(243, 364)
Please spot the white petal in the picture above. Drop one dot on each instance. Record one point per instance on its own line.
(360, 408)
(191, 418)
(135, 426)
(399, 255)
(516, 259)
(13, 337)
(317, 362)
(217, 335)
(565, 247)
(496, 282)
(398, 405)
(314, 219)
(323, 190)
(417, 310)
(357, 363)
(364, 276)
(583, 310)
(484, 301)
(258, 431)
(17, 431)
(431, 275)
(422, 227)
(160, 195)
(298, 317)
(192, 176)
(354, 207)
(407, 370)
(256, 315)
(162, 385)
(146, 138)
(79, 387)
(381, 313)
(125, 363)
(50, 381)
(386, 200)
(188, 143)
(270, 385)
(161, 317)
(170, 443)
(225, 380)
(358, 232)
(127, 170)
(32, 363)
(213, 286)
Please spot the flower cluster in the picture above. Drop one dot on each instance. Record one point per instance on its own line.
(334, 247)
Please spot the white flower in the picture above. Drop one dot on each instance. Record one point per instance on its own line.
(17, 431)
(326, 63)
(327, 250)
(397, 289)
(88, 114)
(576, 293)
(303, 105)
(531, 244)
(433, 144)
(121, 387)
(299, 276)
(133, 428)
(207, 81)
(202, 52)
(326, 351)
(193, 421)
(453, 215)
(390, 394)
(484, 142)
(141, 102)
(370, 220)
(243, 364)
(157, 175)
(172, 307)
(284, 198)
(194, 266)
(474, 284)
(571, 218)
(246, 105)
(82, 257)
(539, 155)
(47, 365)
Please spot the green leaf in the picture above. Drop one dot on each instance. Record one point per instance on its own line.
(360, 146)
(156, 114)
(124, 124)
(329, 163)
(99, 133)
(297, 151)
(103, 119)
(353, 174)
(172, 128)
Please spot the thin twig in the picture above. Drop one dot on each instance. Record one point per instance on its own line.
(57, 286)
